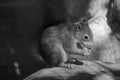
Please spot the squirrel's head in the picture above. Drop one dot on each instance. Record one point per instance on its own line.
(82, 35)
(81, 31)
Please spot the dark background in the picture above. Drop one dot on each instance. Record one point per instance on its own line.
(21, 23)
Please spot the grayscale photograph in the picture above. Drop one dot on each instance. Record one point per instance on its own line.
(59, 39)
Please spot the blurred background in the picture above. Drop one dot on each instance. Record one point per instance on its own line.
(21, 24)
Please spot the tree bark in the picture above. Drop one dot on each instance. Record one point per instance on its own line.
(79, 72)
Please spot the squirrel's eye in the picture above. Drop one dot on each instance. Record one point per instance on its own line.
(86, 37)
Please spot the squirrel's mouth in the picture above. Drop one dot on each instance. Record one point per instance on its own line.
(85, 49)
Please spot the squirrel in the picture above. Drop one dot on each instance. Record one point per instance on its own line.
(66, 42)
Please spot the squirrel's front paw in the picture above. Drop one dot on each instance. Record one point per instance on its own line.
(74, 61)
(68, 65)
(72, 66)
